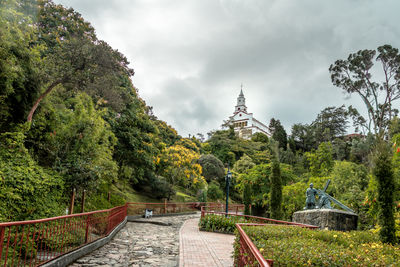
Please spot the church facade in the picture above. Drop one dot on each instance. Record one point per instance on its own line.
(244, 124)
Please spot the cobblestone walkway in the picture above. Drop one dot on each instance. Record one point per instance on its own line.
(140, 244)
(204, 249)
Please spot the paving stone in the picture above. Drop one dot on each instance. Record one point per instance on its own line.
(141, 244)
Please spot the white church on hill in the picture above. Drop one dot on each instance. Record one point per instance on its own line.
(244, 124)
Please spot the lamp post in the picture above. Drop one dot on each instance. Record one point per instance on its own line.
(228, 178)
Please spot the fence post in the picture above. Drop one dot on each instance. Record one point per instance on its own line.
(2, 230)
(202, 212)
(237, 209)
(165, 205)
(71, 206)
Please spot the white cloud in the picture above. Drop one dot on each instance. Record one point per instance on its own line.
(190, 57)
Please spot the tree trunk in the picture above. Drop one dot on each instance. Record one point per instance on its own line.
(49, 89)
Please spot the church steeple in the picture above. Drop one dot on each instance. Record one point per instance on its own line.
(241, 101)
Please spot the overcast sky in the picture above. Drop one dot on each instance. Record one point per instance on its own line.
(191, 56)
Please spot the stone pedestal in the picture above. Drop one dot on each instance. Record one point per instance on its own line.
(331, 219)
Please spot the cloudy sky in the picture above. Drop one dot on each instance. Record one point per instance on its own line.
(191, 56)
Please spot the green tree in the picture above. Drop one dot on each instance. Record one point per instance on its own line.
(243, 164)
(27, 191)
(259, 179)
(275, 205)
(354, 75)
(383, 171)
(136, 148)
(214, 191)
(321, 161)
(330, 123)
(278, 133)
(213, 168)
(247, 198)
(260, 137)
(303, 137)
(75, 58)
(19, 60)
(82, 145)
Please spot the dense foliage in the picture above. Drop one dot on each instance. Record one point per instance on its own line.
(282, 244)
(70, 117)
(87, 128)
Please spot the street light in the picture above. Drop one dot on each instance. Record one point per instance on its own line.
(228, 178)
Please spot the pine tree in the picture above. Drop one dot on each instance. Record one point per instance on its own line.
(247, 199)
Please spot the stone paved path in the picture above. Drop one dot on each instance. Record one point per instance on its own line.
(198, 249)
(145, 245)
(140, 244)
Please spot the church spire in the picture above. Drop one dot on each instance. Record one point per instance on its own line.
(241, 101)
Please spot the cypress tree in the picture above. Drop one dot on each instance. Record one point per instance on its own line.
(247, 199)
(276, 191)
(383, 172)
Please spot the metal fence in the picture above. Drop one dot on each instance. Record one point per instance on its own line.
(249, 255)
(136, 208)
(34, 242)
(217, 208)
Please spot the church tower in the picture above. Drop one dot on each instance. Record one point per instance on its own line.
(241, 102)
(244, 124)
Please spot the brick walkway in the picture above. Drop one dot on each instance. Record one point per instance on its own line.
(203, 248)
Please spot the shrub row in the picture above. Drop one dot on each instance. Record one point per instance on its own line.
(295, 246)
(220, 223)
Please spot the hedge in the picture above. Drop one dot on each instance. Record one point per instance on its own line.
(296, 246)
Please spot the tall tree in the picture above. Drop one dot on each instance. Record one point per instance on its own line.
(303, 137)
(278, 132)
(276, 191)
(330, 123)
(74, 58)
(354, 75)
(383, 172)
(19, 60)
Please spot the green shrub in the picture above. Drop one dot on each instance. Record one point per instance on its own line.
(223, 224)
(27, 190)
(214, 191)
(295, 246)
(220, 223)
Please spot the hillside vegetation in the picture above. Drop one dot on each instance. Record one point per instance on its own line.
(71, 118)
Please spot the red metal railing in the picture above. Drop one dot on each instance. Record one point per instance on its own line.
(221, 208)
(35, 242)
(136, 208)
(249, 255)
(31, 243)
